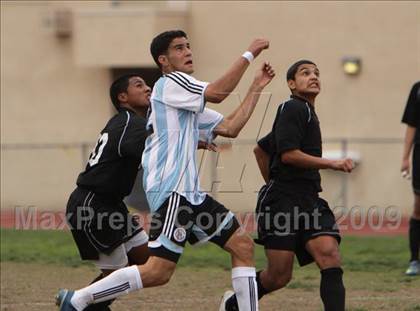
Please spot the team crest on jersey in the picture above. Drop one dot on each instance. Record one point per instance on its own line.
(180, 234)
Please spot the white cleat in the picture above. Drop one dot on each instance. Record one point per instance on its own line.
(413, 268)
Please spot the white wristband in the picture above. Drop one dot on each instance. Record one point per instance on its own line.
(249, 56)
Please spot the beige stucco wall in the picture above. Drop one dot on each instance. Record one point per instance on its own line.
(55, 90)
(45, 98)
(385, 35)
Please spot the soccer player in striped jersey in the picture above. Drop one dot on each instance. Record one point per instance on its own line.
(181, 211)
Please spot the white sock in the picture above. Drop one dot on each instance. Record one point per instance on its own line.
(118, 283)
(245, 286)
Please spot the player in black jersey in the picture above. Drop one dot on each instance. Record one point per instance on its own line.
(292, 218)
(411, 118)
(102, 227)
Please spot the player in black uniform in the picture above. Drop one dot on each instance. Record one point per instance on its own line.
(101, 225)
(411, 117)
(292, 218)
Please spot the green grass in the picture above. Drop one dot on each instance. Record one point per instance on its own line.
(39, 246)
(57, 247)
(360, 254)
(373, 265)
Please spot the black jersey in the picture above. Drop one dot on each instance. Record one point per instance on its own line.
(412, 111)
(296, 126)
(113, 164)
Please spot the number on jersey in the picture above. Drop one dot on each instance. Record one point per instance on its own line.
(99, 148)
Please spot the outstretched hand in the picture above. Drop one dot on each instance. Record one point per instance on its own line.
(264, 75)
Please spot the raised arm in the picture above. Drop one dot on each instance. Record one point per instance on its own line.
(218, 90)
(233, 124)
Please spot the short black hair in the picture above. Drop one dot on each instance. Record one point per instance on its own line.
(161, 42)
(291, 72)
(119, 86)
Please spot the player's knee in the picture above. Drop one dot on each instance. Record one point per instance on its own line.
(247, 247)
(283, 281)
(242, 247)
(156, 272)
(278, 279)
(161, 277)
(328, 257)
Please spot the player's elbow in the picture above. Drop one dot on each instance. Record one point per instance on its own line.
(217, 99)
(228, 133)
(233, 134)
(214, 98)
(231, 130)
(288, 157)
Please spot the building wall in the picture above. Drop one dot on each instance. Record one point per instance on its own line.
(55, 90)
(45, 98)
(385, 35)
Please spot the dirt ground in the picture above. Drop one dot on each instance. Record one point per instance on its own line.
(33, 286)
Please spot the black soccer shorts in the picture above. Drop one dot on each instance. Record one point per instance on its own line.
(287, 221)
(98, 224)
(178, 221)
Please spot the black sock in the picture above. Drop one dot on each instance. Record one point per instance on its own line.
(261, 290)
(232, 303)
(332, 289)
(100, 306)
(414, 237)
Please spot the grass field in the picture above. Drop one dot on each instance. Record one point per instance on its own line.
(34, 264)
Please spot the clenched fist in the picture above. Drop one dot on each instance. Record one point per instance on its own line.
(258, 45)
(264, 75)
(344, 165)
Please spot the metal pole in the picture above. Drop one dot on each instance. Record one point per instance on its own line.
(344, 180)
